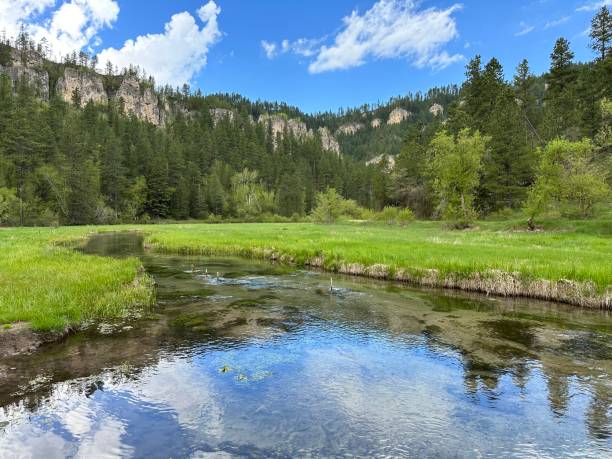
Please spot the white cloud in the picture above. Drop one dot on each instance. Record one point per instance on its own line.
(14, 12)
(173, 56)
(305, 47)
(177, 54)
(391, 29)
(525, 29)
(269, 49)
(443, 59)
(594, 6)
(556, 22)
(72, 26)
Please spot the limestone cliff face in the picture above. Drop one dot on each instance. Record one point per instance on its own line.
(142, 104)
(349, 128)
(389, 162)
(436, 110)
(27, 67)
(398, 115)
(88, 84)
(218, 114)
(278, 124)
(36, 79)
(376, 123)
(328, 141)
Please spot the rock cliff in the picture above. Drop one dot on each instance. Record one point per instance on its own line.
(398, 115)
(141, 102)
(27, 67)
(389, 162)
(218, 114)
(349, 128)
(88, 85)
(36, 79)
(328, 141)
(376, 123)
(279, 124)
(436, 110)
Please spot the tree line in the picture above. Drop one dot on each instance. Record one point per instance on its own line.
(538, 143)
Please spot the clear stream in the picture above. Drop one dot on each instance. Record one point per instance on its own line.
(263, 361)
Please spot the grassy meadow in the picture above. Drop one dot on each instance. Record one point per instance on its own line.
(52, 286)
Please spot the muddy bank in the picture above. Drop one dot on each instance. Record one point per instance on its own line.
(21, 339)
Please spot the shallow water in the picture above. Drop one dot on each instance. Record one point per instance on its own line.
(263, 361)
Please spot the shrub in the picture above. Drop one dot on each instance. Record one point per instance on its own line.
(330, 206)
(405, 216)
(388, 215)
(394, 216)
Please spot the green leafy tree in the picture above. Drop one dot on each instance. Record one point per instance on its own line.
(9, 205)
(249, 196)
(455, 167)
(568, 180)
(329, 208)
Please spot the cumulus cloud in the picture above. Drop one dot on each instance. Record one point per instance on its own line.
(525, 29)
(175, 55)
(72, 26)
(594, 6)
(391, 29)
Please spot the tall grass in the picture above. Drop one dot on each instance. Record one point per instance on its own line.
(54, 287)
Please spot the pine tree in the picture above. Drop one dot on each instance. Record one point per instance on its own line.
(601, 33)
(561, 71)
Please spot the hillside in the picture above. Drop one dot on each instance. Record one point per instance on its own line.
(79, 146)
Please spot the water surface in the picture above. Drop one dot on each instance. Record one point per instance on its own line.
(264, 361)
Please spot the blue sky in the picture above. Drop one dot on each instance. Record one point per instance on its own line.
(336, 53)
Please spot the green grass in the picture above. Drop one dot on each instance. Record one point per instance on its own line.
(53, 286)
(575, 251)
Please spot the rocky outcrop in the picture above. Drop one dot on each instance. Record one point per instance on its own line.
(398, 115)
(279, 124)
(349, 128)
(38, 80)
(436, 110)
(25, 58)
(389, 162)
(219, 114)
(275, 123)
(376, 123)
(142, 103)
(328, 141)
(88, 85)
(298, 129)
(27, 66)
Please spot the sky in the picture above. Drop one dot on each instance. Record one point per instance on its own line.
(318, 55)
